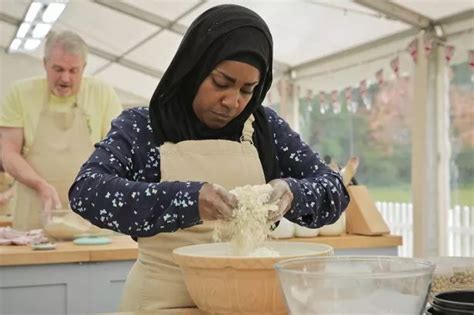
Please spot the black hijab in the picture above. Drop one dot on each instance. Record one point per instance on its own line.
(225, 32)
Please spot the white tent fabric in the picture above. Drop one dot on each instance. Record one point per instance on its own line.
(133, 41)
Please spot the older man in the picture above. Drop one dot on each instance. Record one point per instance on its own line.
(49, 126)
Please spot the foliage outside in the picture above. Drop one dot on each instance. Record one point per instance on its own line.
(379, 134)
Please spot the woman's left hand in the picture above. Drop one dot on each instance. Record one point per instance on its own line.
(282, 197)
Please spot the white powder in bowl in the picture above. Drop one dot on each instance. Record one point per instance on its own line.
(264, 252)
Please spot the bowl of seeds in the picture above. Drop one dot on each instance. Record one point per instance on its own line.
(452, 273)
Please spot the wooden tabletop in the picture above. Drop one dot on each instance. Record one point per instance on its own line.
(121, 248)
(181, 311)
(5, 220)
(124, 248)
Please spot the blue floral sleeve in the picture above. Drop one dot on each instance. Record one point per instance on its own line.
(319, 194)
(118, 188)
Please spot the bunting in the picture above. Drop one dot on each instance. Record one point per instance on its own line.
(330, 100)
(309, 97)
(448, 53)
(413, 49)
(471, 59)
(428, 43)
(395, 64)
(379, 77)
(350, 103)
(336, 106)
(323, 105)
(364, 94)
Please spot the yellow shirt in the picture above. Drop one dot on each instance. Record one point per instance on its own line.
(24, 102)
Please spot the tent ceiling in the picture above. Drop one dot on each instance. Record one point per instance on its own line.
(170, 10)
(132, 41)
(437, 9)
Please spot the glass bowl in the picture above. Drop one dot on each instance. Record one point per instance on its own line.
(355, 285)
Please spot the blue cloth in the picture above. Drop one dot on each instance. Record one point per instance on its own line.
(119, 187)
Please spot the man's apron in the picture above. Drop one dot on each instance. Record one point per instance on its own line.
(155, 281)
(61, 145)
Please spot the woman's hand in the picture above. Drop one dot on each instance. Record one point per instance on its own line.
(282, 197)
(215, 202)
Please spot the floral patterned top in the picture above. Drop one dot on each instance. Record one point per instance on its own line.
(119, 187)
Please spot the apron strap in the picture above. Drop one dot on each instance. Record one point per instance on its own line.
(247, 131)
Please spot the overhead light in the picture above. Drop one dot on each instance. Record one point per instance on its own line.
(33, 11)
(15, 44)
(41, 29)
(32, 44)
(37, 23)
(22, 30)
(439, 30)
(53, 11)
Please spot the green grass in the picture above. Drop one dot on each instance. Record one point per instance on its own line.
(461, 196)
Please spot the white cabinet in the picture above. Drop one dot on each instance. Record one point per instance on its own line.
(74, 288)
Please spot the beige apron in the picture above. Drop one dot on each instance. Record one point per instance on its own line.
(61, 145)
(155, 281)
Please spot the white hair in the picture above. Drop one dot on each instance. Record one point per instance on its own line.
(69, 41)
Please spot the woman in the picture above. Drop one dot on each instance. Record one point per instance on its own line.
(169, 168)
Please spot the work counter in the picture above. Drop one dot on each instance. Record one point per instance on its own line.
(187, 311)
(124, 248)
(5, 220)
(89, 279)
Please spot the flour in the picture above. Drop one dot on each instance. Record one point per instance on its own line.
(306, 301)
(264, 252)
(250, 227)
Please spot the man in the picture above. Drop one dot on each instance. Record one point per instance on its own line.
(49, 126)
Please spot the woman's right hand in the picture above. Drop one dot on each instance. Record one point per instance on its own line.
(215, 202)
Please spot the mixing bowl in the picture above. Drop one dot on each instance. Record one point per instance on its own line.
(65, 225)
(220, 283)
(355, 285)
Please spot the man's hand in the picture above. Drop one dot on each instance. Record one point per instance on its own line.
(282, 197)
(6, 196)
(215, 202)
(50, 199)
